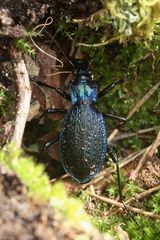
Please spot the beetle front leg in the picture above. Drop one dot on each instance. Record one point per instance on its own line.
(52, 111)
(108, 88)
(109, 115)
(60, 91)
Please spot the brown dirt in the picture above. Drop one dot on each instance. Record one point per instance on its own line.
(20, 217)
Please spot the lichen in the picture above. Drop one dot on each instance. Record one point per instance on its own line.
(130, 20)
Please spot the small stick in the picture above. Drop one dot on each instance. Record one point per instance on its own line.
(154, 147)
(24, 93)
(108, 41)
(134, 174)
(146, 193)
(112, 135)
(131, 157)
(143, 100)
(127, 135)
(118, 204)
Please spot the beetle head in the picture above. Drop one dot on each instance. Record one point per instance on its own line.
(81, 69)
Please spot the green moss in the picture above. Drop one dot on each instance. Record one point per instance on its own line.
(154, 203)
(7, 100)
(25, 46)
(148, 229)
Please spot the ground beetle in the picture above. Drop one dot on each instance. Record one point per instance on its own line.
(82, 141)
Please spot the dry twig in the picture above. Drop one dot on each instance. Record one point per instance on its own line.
(107, 42)
(133, 134)
(118, 204)
(145, 193)
(134, 174)
(154, 147)
(143, 100)
(24, 93)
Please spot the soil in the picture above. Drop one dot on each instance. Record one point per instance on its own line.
(20, 217)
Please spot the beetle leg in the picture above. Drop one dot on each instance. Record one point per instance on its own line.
(122, 119)
(51, 142)
(60, 91)
(53, 110)
(108, 88)
(48, 144)
(115, 160)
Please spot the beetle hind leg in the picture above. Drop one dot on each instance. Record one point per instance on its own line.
(115, 160)
(52, 111)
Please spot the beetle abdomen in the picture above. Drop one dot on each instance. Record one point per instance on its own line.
(83, 142)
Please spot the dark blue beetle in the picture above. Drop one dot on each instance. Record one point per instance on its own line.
(82, 140)
(83, 134)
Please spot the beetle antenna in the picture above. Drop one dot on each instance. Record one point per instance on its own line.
(68, 60)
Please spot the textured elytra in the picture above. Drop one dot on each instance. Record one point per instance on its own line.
(83, 142)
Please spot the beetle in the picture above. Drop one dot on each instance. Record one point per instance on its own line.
(83, 139)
